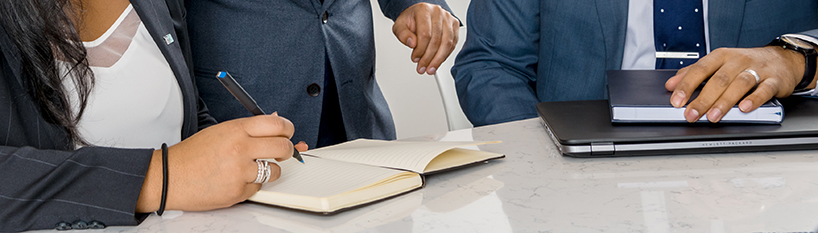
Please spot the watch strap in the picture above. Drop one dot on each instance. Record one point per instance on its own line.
(809, 71)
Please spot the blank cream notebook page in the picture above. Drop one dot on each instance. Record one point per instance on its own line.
(412, 156)
(312, 185)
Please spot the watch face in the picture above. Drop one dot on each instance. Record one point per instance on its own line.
(797, 42)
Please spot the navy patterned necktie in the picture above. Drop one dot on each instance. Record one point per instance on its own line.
(678, 26)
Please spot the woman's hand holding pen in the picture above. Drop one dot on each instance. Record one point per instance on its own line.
(216, 167)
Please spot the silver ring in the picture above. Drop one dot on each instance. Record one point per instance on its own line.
(262, 167)
(266, 172)
(755, 75)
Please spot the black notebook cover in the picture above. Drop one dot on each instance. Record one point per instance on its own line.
(639, 96)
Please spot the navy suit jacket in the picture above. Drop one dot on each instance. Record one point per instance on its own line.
(44, 182)
(276, 49)
(519, 53)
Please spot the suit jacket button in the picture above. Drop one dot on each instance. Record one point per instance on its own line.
(313, 90)
(324, 17)
(63, 226)
(96, 225)
(79, 225)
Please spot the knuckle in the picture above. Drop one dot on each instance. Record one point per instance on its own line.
(276, 123)
(742, 58)
(426, 60)
(425, 35)
(702, 64)
(773, 83)
(287, 123)
(773, 87)
(435, 63)
(719, 79)
(684, 69)
(449, 42)
(720, 50)
(723, 105)
(696, 104)
(283, 145)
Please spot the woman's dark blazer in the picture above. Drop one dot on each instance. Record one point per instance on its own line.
(43, 183)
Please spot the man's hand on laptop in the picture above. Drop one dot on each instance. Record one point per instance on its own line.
(732, 73)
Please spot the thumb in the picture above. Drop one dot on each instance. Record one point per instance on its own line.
(405, 34)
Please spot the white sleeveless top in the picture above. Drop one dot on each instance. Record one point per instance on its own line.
(136, 101)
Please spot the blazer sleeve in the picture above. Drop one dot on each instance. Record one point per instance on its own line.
(392, 8)
(42, 188)
(495, 72)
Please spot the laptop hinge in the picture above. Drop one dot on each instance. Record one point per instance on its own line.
(602, 148)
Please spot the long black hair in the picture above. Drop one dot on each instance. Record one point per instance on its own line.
(44, 33)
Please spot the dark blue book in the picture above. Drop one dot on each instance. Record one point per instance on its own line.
(639, 96)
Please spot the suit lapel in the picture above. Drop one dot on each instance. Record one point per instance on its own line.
(157, 20)
(725, 24)
(613, 16)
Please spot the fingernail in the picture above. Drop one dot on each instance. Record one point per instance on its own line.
(432, 70)
(692, 115)
(416, 60)
(275, 113)
(422, 70)
(745, 105)
(677, 99)
(409, 42)
(714, 115)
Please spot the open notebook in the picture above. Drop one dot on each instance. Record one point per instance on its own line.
(363, 171)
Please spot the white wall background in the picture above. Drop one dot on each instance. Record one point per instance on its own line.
(414, 100)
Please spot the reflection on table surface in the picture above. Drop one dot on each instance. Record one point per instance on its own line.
(536, 189)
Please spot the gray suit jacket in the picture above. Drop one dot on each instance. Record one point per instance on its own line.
(45, 184)
(519, 53)
(276, 49)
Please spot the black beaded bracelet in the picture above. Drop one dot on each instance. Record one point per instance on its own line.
(164, 179)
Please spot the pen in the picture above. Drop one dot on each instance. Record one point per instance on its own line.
(227, 80)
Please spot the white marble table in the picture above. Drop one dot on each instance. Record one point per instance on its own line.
(535, 189)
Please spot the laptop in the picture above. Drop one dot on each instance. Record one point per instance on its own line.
(584, 129)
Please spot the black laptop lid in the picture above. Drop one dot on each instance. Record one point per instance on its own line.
(587, 122)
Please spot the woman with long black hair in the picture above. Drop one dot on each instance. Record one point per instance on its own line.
(91, 91)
